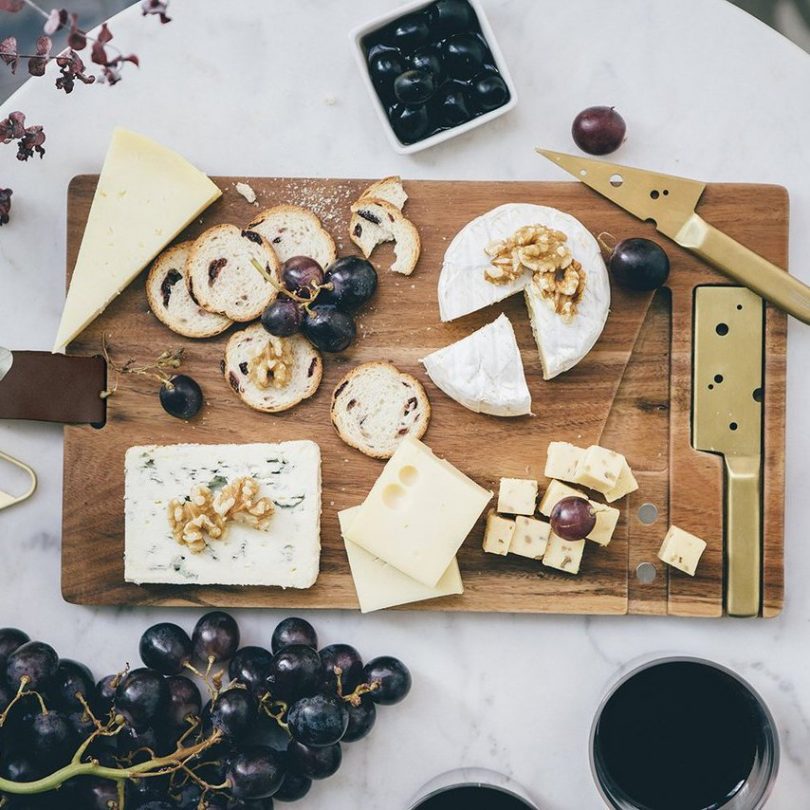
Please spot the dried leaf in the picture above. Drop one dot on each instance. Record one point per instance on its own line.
(13, 127)
(104, 35)
(38, 63)
(8, 53)
(158, 7)
(5, 205)
(71, 67)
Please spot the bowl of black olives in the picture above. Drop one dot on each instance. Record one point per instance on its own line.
(433, 71)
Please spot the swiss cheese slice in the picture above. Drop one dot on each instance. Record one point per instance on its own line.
(146, 195)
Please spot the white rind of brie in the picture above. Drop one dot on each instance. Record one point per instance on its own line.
(464, 289)
(483, 371)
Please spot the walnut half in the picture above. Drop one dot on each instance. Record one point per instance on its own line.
(272, 365)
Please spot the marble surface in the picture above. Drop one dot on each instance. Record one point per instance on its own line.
(246, 88)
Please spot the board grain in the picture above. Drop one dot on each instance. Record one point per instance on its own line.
(632, 392)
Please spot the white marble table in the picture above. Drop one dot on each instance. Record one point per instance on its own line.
(244, 88)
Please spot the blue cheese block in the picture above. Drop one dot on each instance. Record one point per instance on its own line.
(287, 554)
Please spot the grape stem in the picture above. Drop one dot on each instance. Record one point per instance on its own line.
(21, 693)
(167, 359)
(607, 246)
(360, 689)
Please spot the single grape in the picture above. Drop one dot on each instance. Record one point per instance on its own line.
(105, 694)
(10, 639)
(414, 86)
(318, 720)
(410, 123)
(463, 55)
(129, 740)
(255, 772)
(33, 660)
(185, 701)
(293, 631)
(353, 280)
(82, 724)
(215, 637)
(572, 518)
(452, 106)
(181, 397)
(361, 719)
(328, 329)
(143, 793)
(98, 794)
(300, 274)
(157, 804)
(489, 91)
(393, 677)
(451, 16)
(251, 666)
(639, 264)
(599, 130)
(234, 712)
(72, 679)
(314, 763)
(295, 672)
(283, 317)
(348, 660)
(141, 697)
(428, 61)
(384, 67)
(411, 32)
(166, 648)
(294, 787)
(188, 797)
(50, 739)
(17, 767)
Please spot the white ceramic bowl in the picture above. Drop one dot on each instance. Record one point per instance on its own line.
(406, 149)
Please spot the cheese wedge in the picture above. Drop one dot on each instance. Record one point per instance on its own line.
(380, 585)
(146, 195)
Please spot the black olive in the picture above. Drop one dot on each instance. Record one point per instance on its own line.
(451, 16)
(463, 55)
(411, 32)
(414, 87)
(490, 91)
(452, 107)
(410, 123)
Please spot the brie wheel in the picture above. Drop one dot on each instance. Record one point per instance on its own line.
(483, 371)
(464, 289)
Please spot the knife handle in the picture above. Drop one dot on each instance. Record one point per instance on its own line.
(743, 555)
(743, 265)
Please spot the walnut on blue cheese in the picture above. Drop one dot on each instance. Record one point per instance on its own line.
(682, 550)
(599, 468)
(498, 534)
(285, 552)
(530, 537)
(562, 460)
(564, 555)
(517, 496)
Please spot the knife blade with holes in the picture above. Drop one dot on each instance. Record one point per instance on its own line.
(670, 203)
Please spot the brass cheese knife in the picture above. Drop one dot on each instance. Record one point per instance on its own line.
(670, 203)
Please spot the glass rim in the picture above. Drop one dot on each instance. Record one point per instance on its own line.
(472, 776)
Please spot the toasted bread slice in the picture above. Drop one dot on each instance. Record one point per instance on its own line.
(307, 370)
(170, 300)
(375, 406)
(389, 189)
(295, 231)
(376, 221)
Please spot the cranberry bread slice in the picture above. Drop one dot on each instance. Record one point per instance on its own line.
(376, 221)
(389, 189)
(271, 374)
(221, 275)
(171, 302)
(375, 406)
(295, 231)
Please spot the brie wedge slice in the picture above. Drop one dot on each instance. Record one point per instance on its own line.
(483, 371)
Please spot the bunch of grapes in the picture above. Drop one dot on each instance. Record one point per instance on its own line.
(272, 722)
(320, 303)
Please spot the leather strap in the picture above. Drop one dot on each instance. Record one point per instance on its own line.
(49, 387)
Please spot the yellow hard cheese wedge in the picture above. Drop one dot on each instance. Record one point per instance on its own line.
(418, 513)
(380, 585)
(146, 195)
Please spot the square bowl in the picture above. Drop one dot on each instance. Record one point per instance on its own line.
(417, 5)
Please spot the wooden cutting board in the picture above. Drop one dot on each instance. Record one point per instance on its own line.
(631, 393)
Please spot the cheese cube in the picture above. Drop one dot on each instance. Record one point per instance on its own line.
(564, 555)
(682, 550)
(380, 585)
(606, 519)
(517, 496)
(624, 485)
(599, 469)
(562, 460)
(418, 513)
(498, 534)
(530, 537)
(555, 492)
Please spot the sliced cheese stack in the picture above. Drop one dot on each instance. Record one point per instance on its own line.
(402, 541)
(146, 195)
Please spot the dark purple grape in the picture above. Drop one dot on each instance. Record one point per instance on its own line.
(18, 767)
(215, 637)
(572, 518)
(300, 274)
(384, 67)
(157, 804)
(251, 666)
(105, 694)
(599, 130)
(255, 772)
(414, 86)
(234, 712)
(185, 701)
(166, 648)
(361, 719)
(639, 264)
(345, 657)
(410, 123)
(33, 660)
(188, 797)
(353, 280)
(50, 739)
(318, 720)
(72, 679)
(141, 697)
(98, 794)
(294, 787)
(428, 61)
(329, 329)
(129, 740)
(411, 32)
(181, 397)
(463, 55)
(82, 724)
(283, 317)
(393, 677)
(451, 16)
(143, 793)
(489, 91)
(314, 763)
(294, 673)
(293, 631)
(10, 639)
